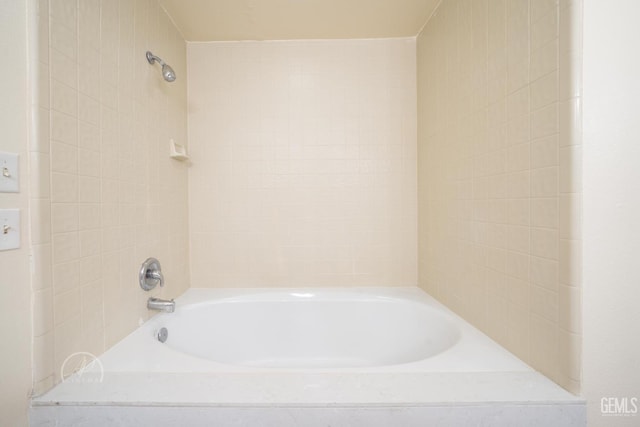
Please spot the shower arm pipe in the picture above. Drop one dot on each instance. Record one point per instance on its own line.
(152, 58)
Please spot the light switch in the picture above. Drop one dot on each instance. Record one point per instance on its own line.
(9, 173)
(9, 229)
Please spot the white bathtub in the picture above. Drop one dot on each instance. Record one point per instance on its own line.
(308, 357)
(317, 330)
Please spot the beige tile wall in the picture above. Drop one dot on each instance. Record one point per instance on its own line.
(304, 170)
(499, 167)
(105, 194)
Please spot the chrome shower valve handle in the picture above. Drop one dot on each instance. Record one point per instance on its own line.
(150, 274)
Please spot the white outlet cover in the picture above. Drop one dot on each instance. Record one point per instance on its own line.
(9, 182)
(9, 229)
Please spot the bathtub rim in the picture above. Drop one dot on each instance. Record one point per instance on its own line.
(154, 357)
(271, 388)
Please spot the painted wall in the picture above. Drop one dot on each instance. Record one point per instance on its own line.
(499, 167)
(612, 207)
(15, 291)
(304, 163)
(106, 196)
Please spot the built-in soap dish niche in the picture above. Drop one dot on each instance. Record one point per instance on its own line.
(178, 151)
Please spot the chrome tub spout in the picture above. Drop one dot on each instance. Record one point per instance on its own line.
(168, 306)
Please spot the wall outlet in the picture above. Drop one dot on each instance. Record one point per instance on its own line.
(9, 229)
(9, 173)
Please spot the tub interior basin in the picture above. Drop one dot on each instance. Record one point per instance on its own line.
(308, 331)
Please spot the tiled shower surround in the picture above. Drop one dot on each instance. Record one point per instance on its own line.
(105, 193)
(499, 166)
(305, 170)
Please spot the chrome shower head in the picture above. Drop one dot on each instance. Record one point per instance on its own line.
(167, 72)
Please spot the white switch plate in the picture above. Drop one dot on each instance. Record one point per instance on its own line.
(9, 173)
(9, 229)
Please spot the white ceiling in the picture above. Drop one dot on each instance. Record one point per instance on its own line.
(218, 20)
